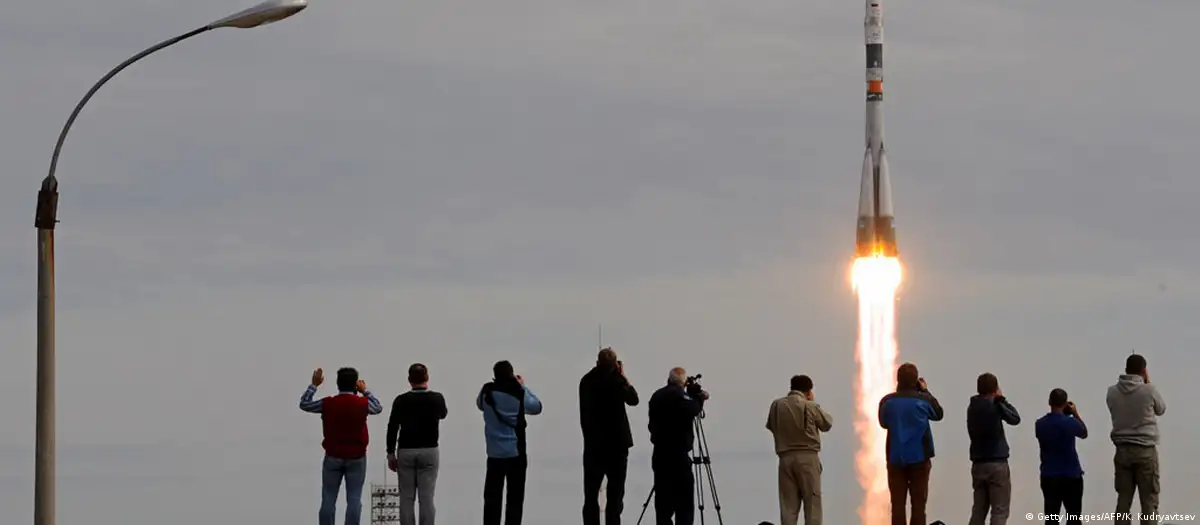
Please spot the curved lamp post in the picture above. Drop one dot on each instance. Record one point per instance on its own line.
(46, 218)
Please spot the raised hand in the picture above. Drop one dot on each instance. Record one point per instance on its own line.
(318, 377)
(361, 386)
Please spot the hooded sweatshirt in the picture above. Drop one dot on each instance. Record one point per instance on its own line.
(986, 417)
(1135, 406)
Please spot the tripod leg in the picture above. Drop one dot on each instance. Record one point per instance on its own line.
(696, 479)
(712, 487)
(646, 505)
(712, 482)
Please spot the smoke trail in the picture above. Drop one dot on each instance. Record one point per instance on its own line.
(875, 280)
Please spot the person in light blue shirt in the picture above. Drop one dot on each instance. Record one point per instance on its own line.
(505, 401)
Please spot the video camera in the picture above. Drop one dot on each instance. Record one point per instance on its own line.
(692, 385)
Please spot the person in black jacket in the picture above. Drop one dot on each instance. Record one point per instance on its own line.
(412, 445)
(990, 477)
(603, 394)
(672, 411)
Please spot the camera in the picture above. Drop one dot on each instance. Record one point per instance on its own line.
(1070, 410)
(692, 385)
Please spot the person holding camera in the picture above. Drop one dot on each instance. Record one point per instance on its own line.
(1135, 406)
(906, 414)
(797, 421)
(987, 413)
(505, 401)
(344, 427)
(412, 445)
(1061, 472)
(604, 392)
(672, 411)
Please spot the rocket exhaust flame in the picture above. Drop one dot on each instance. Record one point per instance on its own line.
(876, 275)
(875, 280)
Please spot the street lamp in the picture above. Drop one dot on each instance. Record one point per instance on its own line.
(45, 220)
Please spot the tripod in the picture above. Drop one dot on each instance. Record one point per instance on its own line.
(701, 472)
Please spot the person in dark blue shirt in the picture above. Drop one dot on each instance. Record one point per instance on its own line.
(1062, 474)
(906, 414)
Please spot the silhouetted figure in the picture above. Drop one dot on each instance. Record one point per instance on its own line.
(604, 393)
(672, 413)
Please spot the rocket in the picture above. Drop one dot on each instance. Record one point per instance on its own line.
(876, 234)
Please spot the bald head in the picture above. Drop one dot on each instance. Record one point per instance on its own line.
(607, 358)
(678, 376)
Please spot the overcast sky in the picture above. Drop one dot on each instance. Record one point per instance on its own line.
(376, 183)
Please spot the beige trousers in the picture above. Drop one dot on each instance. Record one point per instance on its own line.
(800, 486)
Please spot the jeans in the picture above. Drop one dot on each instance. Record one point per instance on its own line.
(417, 474)
(597, 465)
(502, 471)
(333, 470)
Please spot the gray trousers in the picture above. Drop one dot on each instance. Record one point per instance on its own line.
(993, 492)
(417, 470)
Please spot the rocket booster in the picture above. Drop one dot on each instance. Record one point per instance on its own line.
(876, 234)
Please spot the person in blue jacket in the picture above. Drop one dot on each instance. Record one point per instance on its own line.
(906, 414)
(505, 401)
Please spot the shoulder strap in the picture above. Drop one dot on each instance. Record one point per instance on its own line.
(520, 411)
(500, 417)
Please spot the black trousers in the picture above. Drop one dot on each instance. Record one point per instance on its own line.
(1060, 493)
(510, 471)
(674, 490)
(597, 465)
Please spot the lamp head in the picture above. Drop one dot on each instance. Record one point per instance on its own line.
(265, 13)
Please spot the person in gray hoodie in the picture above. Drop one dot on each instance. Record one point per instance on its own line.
(1135, 405)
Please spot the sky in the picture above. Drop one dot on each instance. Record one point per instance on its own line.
(373, 184)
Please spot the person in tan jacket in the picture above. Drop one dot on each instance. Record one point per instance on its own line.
(796, 421)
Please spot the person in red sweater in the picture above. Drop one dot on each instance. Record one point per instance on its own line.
(344, 424)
